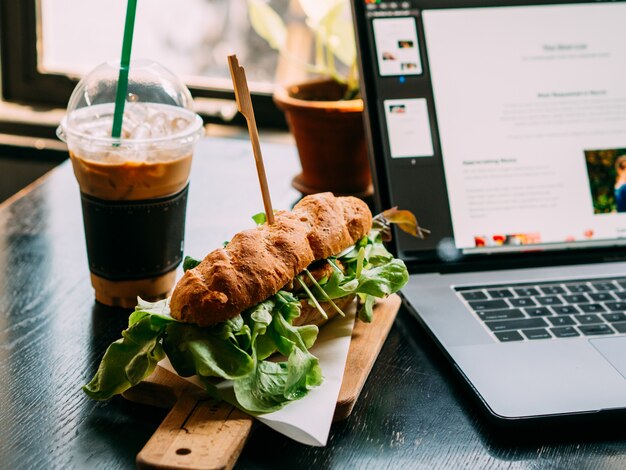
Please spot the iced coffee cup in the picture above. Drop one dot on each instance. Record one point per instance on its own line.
(133, 188)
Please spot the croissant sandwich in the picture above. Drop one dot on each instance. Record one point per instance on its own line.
(265, 292)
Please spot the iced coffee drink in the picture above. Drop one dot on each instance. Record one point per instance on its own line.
(133, 189)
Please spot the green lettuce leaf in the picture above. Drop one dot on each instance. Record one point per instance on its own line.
(132, 358)
(381, 281)
(259, 218)
(263, 390)
(237, 349)
(190, 263)
(259, 319)
(274, 384)
(366, 312)
(207, 352)
(370, 271)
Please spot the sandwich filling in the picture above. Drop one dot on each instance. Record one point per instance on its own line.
(238, 348)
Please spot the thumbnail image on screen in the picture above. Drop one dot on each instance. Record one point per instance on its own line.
(396, 46)
(606, 169)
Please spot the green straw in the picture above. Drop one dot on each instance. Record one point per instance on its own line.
(122, 82)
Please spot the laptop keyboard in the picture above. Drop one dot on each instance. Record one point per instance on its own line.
(550, 310)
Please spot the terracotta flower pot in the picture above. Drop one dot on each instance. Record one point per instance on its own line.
(330, 138)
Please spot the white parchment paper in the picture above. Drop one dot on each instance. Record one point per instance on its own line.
(307, 420)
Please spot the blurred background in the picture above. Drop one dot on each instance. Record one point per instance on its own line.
(47, 45)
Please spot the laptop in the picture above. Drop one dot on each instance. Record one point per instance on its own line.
(502, 126)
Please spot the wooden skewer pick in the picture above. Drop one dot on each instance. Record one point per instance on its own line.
(244, 105)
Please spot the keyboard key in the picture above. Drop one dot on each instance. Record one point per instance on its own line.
(508, 314)
(591, 308)
(604, 286)
(616, 306)
(576, 299)
(562, 321)
(481, 305)
(620, 327)
(523, 302)
(539, 333)
(602, 297)
(614, 317)
(474, 295)
(551, 310)
(515, 324)
(506, 336)
(620, 294)
(565, 309)
(552, 290)
(564, 332)
(590, 330)
(538, 311)
(552, 300)
(588, 319)
(500, 293)
(578, 288)
(526, 291)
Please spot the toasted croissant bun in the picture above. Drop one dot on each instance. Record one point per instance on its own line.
(257, 263)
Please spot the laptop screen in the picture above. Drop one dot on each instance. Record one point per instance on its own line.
(503, 128)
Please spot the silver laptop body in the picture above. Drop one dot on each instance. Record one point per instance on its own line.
(473, 157)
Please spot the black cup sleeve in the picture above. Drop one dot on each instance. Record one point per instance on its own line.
(129, 240)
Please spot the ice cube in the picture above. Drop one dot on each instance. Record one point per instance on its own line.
(158, 124)
(135, 114)
(179, 124)
(142, 131)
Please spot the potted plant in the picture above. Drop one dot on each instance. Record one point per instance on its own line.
(325, 114)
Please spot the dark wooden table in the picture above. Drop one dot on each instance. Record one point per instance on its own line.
(413, 413)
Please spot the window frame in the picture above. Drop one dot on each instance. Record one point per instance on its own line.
(23, 82)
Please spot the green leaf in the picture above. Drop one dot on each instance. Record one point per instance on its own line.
(259, 318)
(234, 324)
(243, 338)
(206, 352)
(274, 384)
(342, 42)
(380, 281)
(366, 312)
(284, 338)
(316, 10)
(132, 358)
(340, 285)
(267, 24)
(287, 305)
(233, 349)
(378, 254)
(324, 295)
(265, 347)
(259, 218)
(262, 391)
(190, 263)
(340, 33)
(160, 308)
(370, 269)
(303, 373)
(308, 333)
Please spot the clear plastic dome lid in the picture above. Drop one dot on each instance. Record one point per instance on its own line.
(158, 105)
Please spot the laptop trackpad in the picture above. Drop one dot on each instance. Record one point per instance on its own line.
(614, 350)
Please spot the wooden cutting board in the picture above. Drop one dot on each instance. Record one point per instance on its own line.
(202, 433)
